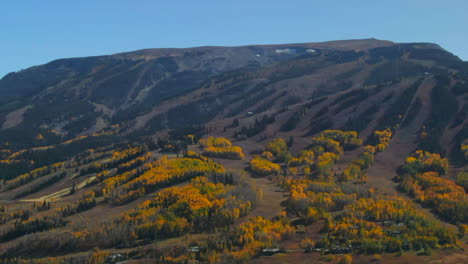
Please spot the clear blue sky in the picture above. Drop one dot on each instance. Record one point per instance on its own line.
(34, 32)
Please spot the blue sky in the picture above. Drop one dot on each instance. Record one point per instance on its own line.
(35, 32)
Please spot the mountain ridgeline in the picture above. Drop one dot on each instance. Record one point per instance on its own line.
(297, 89)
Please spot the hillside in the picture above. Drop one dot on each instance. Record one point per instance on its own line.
(354, 147)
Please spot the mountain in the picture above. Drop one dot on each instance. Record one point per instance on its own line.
(152, 90)
(338, 127)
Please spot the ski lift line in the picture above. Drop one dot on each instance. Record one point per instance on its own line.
(412, 102)
(82, 218)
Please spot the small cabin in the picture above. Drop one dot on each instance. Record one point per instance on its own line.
(193, 249)
(114, 258)
(342, 250)
(270, 251)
